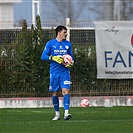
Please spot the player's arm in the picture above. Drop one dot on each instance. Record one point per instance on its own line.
(45, 55)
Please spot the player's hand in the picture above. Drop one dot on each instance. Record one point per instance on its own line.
(57, 59)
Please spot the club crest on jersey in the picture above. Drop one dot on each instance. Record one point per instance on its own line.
(67, 47)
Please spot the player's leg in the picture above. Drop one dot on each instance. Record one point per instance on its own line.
(66, 97)
(55, 100)
(54, 88)
(65, 85)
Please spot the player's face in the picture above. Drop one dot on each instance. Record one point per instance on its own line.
(63, 34)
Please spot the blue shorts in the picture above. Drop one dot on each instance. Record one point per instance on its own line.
(59, 81)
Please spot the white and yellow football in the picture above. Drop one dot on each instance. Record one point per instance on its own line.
(67, 59)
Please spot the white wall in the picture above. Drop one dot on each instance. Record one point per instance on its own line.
(105, 101)
(9, 1)
(7, 13)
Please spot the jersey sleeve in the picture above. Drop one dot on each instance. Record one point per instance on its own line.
(46, 51)
(70, 51)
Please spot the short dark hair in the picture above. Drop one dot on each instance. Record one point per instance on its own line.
(60, 28)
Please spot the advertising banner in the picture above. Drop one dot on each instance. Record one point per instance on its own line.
(114, 49)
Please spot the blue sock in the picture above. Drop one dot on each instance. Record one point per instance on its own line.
(55, 103)
(66, 101)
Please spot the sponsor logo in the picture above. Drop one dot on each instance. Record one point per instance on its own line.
(67, 82)
(112, 30)
(61, 47)
(60, 51)
(118, 59)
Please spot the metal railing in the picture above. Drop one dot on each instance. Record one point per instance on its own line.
(83, 41)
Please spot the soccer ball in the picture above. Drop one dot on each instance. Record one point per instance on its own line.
(84, 103)
(67, 59)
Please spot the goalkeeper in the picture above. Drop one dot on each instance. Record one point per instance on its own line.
(59, 72)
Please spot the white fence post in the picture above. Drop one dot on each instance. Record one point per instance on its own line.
(68, 28)
(34, 9)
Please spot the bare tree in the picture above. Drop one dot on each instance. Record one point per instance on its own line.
(87, 10)
(126, 9)
(70, 8)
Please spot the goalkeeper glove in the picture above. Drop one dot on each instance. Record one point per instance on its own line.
(69, 65)
(57, 59)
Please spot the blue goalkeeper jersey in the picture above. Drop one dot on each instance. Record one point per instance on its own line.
(56, 48)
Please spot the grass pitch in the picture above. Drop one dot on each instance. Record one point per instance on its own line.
(84, 120)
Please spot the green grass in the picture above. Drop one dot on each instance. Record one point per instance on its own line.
(85, 120)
